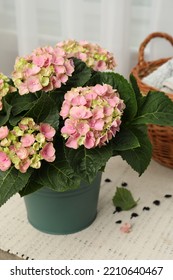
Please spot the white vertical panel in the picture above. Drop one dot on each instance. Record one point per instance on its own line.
(73, 18)
(26, 19)
(115, 30)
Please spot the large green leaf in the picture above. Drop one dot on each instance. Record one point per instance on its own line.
(125, 139)
(22, 103)
(5, 112)
(58, 176)
(11, 182)
(123, 87)
(139, 158)
(87, 162)
(139, 97)
(157, 109)
(32, 185)
(42, 110)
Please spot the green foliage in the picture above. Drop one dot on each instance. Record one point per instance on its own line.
(43, 109)
(124, 199)
(87, 162)
(11, 182)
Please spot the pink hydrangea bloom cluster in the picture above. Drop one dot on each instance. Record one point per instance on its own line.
(45, 69)
(92, 115)
(92, 54)
(26, 145)
(5, 87)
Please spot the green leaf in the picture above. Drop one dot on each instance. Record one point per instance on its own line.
(125, 139)
(5, 112)
(43, 110)
(79, 77)
(139, 158)
(58, 176)
(32, 185)
(87, 162)
(22, 103)
(11, 182)
(124, 199)
(139, 97)
(157, 109)
(123, 87)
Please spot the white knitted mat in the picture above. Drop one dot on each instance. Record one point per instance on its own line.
(152, 230)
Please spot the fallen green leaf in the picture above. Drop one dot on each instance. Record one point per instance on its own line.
(124, 199)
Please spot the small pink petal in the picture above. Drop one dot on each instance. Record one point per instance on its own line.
(27, 140)
(72, 141)
(126, 228)
(3, 132)
(89, 140)
(33, 84)
(24, 165)
(48, 152)
(5, 161)
(47, 130)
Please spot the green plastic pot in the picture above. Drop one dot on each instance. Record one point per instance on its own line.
(63, 212)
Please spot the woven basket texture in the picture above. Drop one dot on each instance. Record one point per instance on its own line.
(161, 137)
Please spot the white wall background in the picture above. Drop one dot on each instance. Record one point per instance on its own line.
(117, 25)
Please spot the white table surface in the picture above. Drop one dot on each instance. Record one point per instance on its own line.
(152, 231)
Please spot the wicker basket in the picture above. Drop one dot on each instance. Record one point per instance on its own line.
(161, 137)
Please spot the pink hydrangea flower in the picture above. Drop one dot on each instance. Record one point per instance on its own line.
(3, 132)
(44, 69)
(22, 153)
(92, 54)
(5, 161)
(26, 145)
(96, 121)
(47, 130)
(48, 152)
(5, 87)
(27, 140)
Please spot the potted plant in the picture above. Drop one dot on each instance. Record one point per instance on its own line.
(63, 116)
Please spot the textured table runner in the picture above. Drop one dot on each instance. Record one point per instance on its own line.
(152, 225)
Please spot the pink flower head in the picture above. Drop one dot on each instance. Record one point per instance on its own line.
(44, 69)
(48, 152)
(27, 140)
(47, 130)
(91, 121)
(3, 132)
(5, 161)
(92, 54)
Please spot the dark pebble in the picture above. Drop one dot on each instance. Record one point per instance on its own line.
(134, 215)
(117, 209)
(168, 195)
(146, 208)
(156, 202)
(107, 180)
(118, 222)
(124, 184)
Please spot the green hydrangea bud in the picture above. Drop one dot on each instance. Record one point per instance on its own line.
(40, 138)
(5, 142)
(17, 131)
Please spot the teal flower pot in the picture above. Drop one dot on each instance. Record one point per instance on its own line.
(63, 212)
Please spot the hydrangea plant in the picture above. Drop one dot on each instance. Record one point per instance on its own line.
(64, 113)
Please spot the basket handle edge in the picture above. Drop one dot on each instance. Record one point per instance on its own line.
(147, 40)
